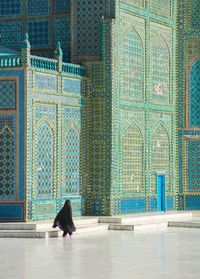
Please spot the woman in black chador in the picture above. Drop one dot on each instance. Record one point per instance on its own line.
(64, 219)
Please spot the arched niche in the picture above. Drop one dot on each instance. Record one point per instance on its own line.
(44, 160)
(132, 159)
(132, 64)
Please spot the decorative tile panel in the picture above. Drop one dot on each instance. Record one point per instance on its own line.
(161, 7)
(44, 178)
(46, 82)
(132, 205)
(192, 166)
(7, 157)
(11, 33)
(194, 95)
(11, 212)
(135, 3)
(72, 114)
(160, 158)
(71, 154)
(160, 67)
(48, 112)
(72, 85)
(62, 31)
(38, 33)
(7, 94)
(61, 6)
(10, 8)
(195, 13)
(87, 22)
(132, 64)
(132, 162)
(38, 7)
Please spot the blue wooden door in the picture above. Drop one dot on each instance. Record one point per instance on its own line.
(161, 192)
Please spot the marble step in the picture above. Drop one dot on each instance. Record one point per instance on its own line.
(50, 232)
(23, 234)
(146, 218)
(138, 227)
(188, 224)
(81, 229)
(46, 224)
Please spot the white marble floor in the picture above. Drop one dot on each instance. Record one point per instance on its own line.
(173, 254)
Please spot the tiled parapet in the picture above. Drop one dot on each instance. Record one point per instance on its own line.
(11, 61)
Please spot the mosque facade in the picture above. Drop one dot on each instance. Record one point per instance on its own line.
(99, 104)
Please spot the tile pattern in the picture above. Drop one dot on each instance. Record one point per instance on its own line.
(71, 175)
(38, 7)
(188, 101)
(45, 161)
(160, 157)
(10, 8)
(160, 66)
(195, 13)
(192, 165)
(62, 6)
(37, 17)
(161, 7)
(112, 99)
(12, 171)
(38, 33)
(87, 26)
(194, 95)
(132, 157)
(7, 157)
(11, 33)
(7, 94)
(132, 64)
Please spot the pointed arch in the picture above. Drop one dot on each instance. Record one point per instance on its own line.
(158, 125)
(160, 155)
(160, 67)
(132, 63)
(130, 122)
(71, 159)
(43, 120)
(44, 159)
(8, 163)
(74, 123)
(132, 159)
(8, 128)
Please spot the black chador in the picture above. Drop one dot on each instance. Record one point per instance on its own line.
(64, 219)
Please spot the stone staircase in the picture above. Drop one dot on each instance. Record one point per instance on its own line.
(148, 221)
(135, 222)
(43, 229)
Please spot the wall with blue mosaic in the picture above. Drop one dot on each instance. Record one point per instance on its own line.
(101, 142)
(189, 103)
(11, 145)
(54, 128)
(194, 95)
(45, 21)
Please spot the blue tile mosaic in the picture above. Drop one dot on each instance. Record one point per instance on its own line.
(62, 6)
(38, 7)
(45, 82)
(7, 94)
(132, 205)
(72, 86)
(11, 33)
(194, 95)
(192, 202)
(38, 33)
(10, 8)
(11, 212)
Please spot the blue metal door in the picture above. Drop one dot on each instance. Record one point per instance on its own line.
(161, 192)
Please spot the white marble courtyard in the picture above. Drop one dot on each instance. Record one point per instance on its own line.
(169, 253)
